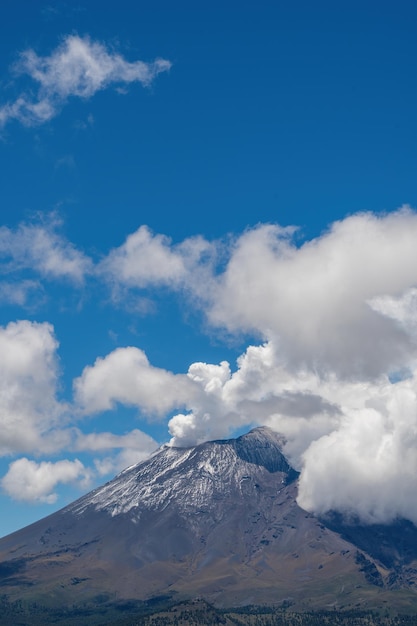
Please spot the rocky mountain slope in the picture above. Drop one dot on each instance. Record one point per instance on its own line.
(218, 521)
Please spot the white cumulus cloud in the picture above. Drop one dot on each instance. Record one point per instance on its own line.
(148, 260)
(259, 391)
(320, 302)
(125, 376)
(144, 259)
(29, 410)
(314, 298)
(367, 467)
(29, 481)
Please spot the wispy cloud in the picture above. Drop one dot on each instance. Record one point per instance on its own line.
(132, 447)
(79, 67)
(24, 293)
(42, 249)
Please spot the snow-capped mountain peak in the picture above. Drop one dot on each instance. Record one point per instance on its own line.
(190, 477)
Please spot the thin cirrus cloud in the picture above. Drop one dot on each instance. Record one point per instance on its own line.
(78, 67)
(26, 293)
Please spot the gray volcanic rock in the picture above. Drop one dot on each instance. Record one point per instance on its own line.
(219, 520)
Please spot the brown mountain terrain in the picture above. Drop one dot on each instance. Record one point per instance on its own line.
(217, 521)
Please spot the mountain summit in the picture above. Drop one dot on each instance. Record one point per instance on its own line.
(191, 480)
(220, 521)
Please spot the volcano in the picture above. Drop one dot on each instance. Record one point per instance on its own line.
(219, 521)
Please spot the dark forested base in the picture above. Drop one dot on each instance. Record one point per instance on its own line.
(163, 612)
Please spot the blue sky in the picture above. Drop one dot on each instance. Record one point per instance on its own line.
(200, 183)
